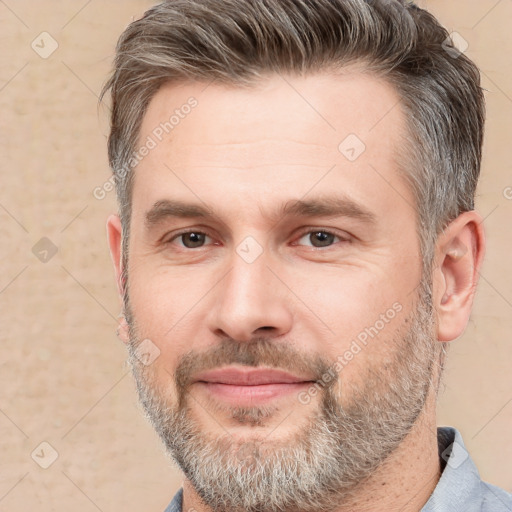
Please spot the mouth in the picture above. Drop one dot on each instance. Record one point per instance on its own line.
(250, 386)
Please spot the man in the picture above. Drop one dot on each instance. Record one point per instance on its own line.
(296, 246)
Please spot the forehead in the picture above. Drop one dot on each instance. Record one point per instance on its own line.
(331, 103)
(284, 131)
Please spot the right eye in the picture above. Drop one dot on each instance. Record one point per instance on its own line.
(190, 239)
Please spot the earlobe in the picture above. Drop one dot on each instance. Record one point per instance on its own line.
(122, 329)
(459, 255)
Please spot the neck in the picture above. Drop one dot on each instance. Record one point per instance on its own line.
(408, 477)
(403, 483)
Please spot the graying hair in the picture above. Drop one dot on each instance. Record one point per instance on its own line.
(239, 42)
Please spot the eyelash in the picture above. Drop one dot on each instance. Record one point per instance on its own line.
(342, 238)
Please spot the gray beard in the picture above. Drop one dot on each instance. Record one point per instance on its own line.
(318, 468)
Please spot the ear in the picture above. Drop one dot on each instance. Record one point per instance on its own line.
(115, 237)
(459, 254)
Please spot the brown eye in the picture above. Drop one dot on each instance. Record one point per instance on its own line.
(319, 238)
(192, 239)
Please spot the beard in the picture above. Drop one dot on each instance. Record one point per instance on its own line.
(344, 439)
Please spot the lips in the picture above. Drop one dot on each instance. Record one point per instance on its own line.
(250, 387)
(250, 377)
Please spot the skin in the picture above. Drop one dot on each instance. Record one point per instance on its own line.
(245, 153)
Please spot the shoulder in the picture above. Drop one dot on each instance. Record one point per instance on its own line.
(495, 499)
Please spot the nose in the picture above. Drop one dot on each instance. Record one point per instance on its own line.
(250, 301)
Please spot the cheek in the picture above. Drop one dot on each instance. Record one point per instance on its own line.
(359, 312)
(346, 299)
(163, 303)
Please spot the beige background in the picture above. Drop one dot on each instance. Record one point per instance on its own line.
(62, 373)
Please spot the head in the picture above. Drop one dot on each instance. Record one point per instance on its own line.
(243, 123)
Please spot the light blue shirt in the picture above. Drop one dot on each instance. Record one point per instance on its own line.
(460, 488)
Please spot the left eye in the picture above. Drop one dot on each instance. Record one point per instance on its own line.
(192, 239)
(319, 238)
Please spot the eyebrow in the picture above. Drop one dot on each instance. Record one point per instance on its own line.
(331, 206)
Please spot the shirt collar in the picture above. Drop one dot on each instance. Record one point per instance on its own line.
(460, 486)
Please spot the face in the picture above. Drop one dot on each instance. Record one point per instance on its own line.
(274, 268)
